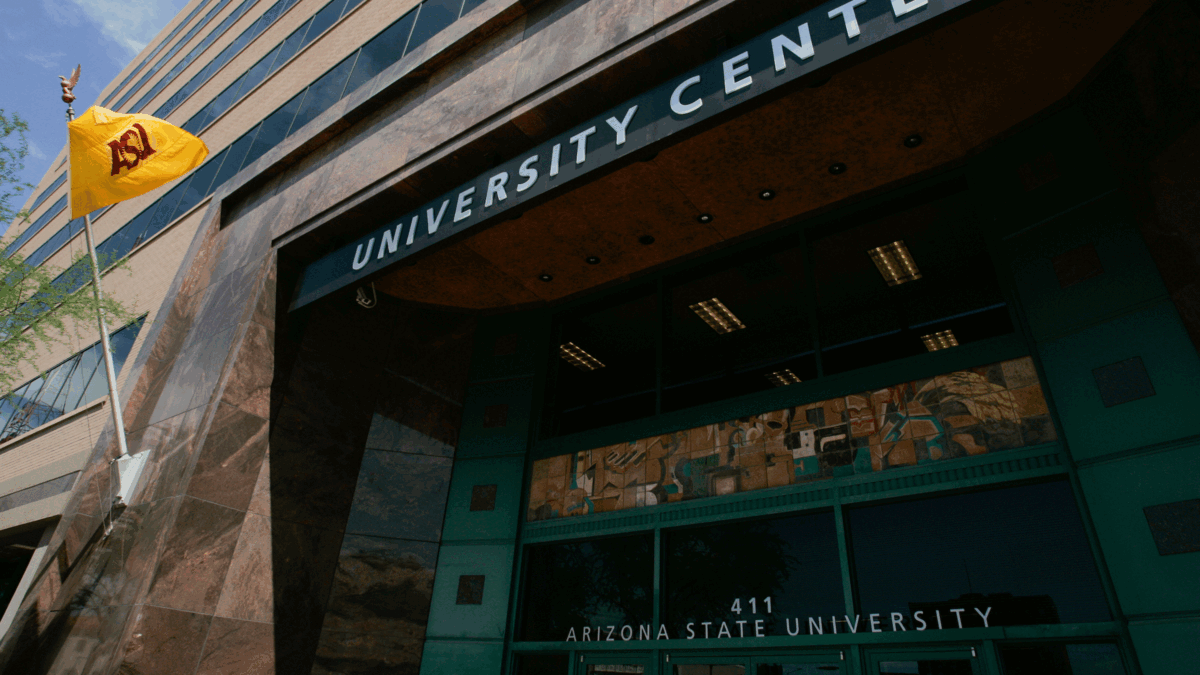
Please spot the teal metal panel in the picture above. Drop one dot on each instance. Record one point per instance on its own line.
(448, 657)
(462, 523)
(1157, 336)
(448, 619)
(1167, 648)
(1116, 492)
(509, 345)
(1129, 278)
(510, 398)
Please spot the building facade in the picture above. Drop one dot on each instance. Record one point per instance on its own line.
(604, 336)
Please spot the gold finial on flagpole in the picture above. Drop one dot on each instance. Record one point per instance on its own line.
(68, 84)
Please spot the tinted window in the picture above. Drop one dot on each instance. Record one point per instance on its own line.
(1021, 551)
(73, 389)
(619, 384)
(793, 561)
(225, 99)
(291, 45)
(275, 128)
(197, 187)
(324, 19)
(234, 159)
(433, 17)
(166, 211)
(1060, 659)
(603, 582)
(258, 72)
(323, 93)
(730, 329)
(382, 51)
(542, 664)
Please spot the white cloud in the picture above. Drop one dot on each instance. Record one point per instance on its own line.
(46, 60)
(36, 152)
(129, 23)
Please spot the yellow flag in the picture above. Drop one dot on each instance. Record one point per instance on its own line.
(115, 157)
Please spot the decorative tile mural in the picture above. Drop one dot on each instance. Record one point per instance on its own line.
(969, 412)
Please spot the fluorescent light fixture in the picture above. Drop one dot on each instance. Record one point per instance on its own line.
(717, 316)
(572, 354)
(782, 378)
(895, 263)
(943, 339)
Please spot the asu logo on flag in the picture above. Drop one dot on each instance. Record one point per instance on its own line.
(115, 157)
(130, 148)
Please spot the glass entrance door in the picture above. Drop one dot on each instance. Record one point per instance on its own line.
(948, 661)
(613, 664)
(706, 665)
(808, 663)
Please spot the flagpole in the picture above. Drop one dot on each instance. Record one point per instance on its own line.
(98, 293)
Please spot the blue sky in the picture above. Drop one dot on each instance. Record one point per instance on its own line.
(43, 39)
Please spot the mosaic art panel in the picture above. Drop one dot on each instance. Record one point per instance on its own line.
(968, 412)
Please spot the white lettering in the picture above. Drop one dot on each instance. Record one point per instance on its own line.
(620, 126)
(706, 624)
(529, 173)
(787, 623)
(680, 108)
(586, 632)
(609, 637)
(847, 13)
(496, 188)
(580, 141)
(758, 628)
(431, 222)
(816, 627)
(875, 624)
(724, 631)
(691, 633)
(412, 230)
(644, 632)
(833, 624)
(853, 628)
(461, 212)
(984, 615)
(802, 51)
(897, 621)
(917, 617)
(390, 241)
(958, 615)
(571, 635)
(361, 263)
(662, 632)
(555, 153)
(741, 627)
(902, 7)
(938, 614)
(629, 637)
(733, 68)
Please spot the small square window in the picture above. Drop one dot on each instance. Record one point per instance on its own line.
(470, 589)
(483, 498)
(1123, 382)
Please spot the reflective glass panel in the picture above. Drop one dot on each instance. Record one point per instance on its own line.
(274, 128)
(382, 51)
(542, 664)
(323, 93)
(258, 72)
(798, 669)
(607, 373)
(323, 20)
(1100, 658)
(45, 408)
(730, 328)
(1014, 555)
(234, 159)
(575, 587)
(290, 45)
(73, 389)
(197, 187)
(433, 17)
(776, 571)
(926, 667)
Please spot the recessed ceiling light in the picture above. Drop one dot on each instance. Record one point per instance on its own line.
(704, 218)
(572, 354)
(913, 140)
(717, 316)
(782, 378)
(895, 263)
(545, 277)
(766, 195)
(837, 168)
(593, 260)
(943, 339)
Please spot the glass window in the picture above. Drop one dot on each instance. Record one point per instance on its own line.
(45, 409)
(382, 51)
(323, 93)
(274, 128)
(350, 4)
(940, 278)
(9, 405)
(1016, 555)
(25, 407)
(470, 5)
(235, 159)
(122, 341)
(165, 213)
(73, 389)
(770, 570)
(290, 45)
(258, 72)
(542, 664)
(197, 187)
(225, 99)
(576, 585)
(433, 17)
(323, 20)
(1062, 659)
(739, 329)
(606, 363)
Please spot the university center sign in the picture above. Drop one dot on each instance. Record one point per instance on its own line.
(797, 48)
